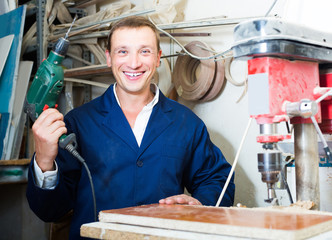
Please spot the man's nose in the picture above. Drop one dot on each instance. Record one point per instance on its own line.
(134, 61)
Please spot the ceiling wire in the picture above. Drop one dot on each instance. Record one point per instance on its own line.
(272, 6)
(214, 56)
(223, 55)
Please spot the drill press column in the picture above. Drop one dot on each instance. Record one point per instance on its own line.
(306, 163)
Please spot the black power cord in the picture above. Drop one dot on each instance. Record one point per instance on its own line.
(287, 187)
(69, 143)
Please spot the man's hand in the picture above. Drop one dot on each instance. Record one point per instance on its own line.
(47, 130)
(180, 199)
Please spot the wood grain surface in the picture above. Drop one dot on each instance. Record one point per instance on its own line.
(242, 222)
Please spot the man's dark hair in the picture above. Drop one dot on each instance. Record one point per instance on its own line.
(133, 22)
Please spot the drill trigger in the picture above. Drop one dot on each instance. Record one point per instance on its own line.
(45, 107)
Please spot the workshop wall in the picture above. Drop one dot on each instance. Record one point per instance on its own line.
(227, 115)
(226, 118)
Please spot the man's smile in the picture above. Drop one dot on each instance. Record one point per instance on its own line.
(133, 74)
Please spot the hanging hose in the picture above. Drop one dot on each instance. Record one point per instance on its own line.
(287, 187)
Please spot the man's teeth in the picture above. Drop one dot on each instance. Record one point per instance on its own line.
(133, 74)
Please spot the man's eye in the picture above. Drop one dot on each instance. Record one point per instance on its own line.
(122, 52)
(145, 51)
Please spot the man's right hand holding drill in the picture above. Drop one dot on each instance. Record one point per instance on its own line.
(47, 130)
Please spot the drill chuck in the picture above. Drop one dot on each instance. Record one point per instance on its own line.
(270, 164)
(61, 47)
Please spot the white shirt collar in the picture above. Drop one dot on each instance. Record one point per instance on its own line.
(154, 88)
(143, 117)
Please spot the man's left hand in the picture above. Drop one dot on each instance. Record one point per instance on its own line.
(180, 199)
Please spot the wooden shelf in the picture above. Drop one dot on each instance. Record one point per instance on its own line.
(85, 72)
(15, 162)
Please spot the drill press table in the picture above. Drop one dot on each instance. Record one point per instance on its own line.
(158, 221)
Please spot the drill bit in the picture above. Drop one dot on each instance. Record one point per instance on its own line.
(62, 44)
(66, 36)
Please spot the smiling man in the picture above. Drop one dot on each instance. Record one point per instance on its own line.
(140, 146)
(133, 57)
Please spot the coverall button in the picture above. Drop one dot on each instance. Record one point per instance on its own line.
(139, 163)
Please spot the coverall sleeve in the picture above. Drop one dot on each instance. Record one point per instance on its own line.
(51, 204)
(208, 172)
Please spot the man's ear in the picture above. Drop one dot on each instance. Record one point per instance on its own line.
(159, 56)
(108, 58)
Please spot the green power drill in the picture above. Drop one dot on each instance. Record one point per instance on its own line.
(48, 84)
(44, 93)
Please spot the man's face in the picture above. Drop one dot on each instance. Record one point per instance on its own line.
(134, 58)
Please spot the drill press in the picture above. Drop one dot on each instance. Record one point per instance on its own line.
(284, 85)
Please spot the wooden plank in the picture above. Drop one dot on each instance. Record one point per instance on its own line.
(240, 222)
(113, 231)
(14, 25)
(15, 162)
(179, 34)
(87, 3)
(16, 128)
(104, 34)
(4, 7)
(105, 21)
(5, 44)
(97, 52)
(87, 82)
(87, 71)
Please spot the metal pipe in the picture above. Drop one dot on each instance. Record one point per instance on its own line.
(40, 31)
(306, 163)
(268, 128)
(325, 95)
(101, 34)
(106, 20)
(204, 23)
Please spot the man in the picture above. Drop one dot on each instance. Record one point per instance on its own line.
(140, 147)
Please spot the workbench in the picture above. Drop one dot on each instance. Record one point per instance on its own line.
(163, 222)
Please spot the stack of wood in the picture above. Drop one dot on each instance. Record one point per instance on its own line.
(90, 30)
(88, 35)
(58, 18)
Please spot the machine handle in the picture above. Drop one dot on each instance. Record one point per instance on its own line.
(326, 147)
(328, 154)
(307, 108)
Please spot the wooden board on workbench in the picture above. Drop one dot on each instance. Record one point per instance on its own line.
(241, 222)
(118, 231)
